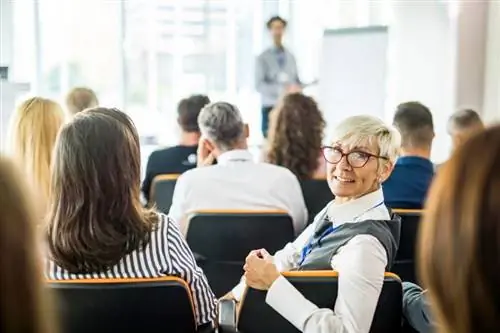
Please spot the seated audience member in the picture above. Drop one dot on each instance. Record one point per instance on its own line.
(239, 182)
(416, 308)
(295, 137)
(79, 99)
(463, 124)
(22, 302)
(459, 241)
(182, 157)
(408, 184)
(354, 235)
(33, 133)
(97, 227)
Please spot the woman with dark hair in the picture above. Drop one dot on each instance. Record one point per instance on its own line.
(460, 238)
(296, 135)
(22, 302)
(97, 226)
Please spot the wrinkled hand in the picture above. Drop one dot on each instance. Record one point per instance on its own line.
(260, 271)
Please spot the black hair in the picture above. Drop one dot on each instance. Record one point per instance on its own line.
(414, 122)
(188, 111)
(274, 19)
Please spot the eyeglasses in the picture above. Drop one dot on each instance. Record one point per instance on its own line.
(355, 158)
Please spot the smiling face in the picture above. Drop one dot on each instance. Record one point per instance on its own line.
(347, 182)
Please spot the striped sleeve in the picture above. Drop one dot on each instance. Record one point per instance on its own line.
(184, 265)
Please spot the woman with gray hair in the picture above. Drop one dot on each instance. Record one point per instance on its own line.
(354, 235)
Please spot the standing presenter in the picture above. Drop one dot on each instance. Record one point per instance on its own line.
(276, 71)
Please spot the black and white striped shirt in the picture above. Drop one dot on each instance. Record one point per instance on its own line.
(167, 254)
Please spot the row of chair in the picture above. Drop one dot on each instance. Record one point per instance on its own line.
(165, 305)
(315, 191)
(233, 234)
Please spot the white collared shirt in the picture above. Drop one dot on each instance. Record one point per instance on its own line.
(237, 182)
(361, 265)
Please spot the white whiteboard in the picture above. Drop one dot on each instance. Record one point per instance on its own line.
(352, 74)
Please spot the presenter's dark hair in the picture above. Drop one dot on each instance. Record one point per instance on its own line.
(274, 19)
(95, 215)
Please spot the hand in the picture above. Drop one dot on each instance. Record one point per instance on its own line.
(204, 154)
(293, 88)
(260, 271)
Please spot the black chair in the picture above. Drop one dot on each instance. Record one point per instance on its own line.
(155, 305)
(221, 240)
(316, 195)
(406, 260)
(162, 191)
(320, 287)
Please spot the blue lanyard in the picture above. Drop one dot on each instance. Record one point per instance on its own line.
(280, 58)
(309, 247)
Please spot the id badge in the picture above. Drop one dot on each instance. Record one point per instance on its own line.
(282, 77)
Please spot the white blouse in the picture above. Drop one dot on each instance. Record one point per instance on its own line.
(361, 265)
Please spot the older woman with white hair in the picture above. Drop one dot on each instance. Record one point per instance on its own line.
(354, 235)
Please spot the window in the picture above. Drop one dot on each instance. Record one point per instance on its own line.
(145, 55)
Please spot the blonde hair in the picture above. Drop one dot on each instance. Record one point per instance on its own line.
(24, 302)
(34, 128)
(80, 98)
(357, 129)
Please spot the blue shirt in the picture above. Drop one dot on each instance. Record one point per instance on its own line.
(408, 183)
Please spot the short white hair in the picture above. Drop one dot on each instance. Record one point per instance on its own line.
(356, 130)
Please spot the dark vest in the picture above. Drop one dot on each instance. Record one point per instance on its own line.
(386, 232)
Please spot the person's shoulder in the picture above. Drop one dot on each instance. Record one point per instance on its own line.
(265, 53)
(174, 150)
(198, 173)
(166, 226)
(160, 153)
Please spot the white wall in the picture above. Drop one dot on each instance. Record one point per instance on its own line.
(471, 54)
(6, 33)
(422, 39)
(491, 109)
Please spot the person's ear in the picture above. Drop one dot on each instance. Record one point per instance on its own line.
(385, 171)
(246, 131)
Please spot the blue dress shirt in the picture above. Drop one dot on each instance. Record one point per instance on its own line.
(408, 183)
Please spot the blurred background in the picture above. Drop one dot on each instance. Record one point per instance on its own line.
(143, 56)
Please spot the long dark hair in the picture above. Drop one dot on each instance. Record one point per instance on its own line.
(23, 302)
(460, 238)
(295, 135)
(95, 216)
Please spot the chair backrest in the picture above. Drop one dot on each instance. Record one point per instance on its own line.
(221, 240)
(316, 194)
(405, 263)
(162, 191)
(124, 305)
(320, 287)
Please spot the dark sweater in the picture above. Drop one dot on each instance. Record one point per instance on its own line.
(173, 160)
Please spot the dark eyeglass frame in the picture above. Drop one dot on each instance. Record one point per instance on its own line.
(346, 155)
